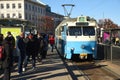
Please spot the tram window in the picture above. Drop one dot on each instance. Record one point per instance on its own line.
(73, 31)
(88, 31)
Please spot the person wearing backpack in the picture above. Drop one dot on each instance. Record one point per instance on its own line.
(7, 61)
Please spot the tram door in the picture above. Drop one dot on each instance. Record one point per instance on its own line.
(63, 42)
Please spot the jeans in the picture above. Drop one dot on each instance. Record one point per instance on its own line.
(33, 60)
(52, 47)
(26, 60)
(20, 62)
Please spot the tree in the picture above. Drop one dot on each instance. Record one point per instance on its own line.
(107, 23)
(48, 24)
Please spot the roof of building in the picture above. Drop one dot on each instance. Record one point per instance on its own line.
(38, 1)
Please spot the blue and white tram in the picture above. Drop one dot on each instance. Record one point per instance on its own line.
(77, 37)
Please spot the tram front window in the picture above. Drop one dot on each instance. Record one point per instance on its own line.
(75, 31)
(88, 31)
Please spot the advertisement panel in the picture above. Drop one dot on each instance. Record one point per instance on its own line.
(14, 30)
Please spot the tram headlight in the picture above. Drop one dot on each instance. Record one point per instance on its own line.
(93, 48)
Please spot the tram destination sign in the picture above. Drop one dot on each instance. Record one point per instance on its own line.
(82, 23)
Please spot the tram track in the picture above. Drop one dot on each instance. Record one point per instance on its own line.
(70, 66)
(88, 70)
(82, 72)
(93, 71)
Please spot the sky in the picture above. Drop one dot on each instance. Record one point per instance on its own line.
(98, 9)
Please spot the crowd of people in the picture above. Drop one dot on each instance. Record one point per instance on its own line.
(31, 47)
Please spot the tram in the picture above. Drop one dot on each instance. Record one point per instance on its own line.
(77, 38)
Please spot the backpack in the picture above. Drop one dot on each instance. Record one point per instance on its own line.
(1, 53)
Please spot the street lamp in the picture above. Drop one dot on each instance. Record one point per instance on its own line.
(23, 27)
(0, 15)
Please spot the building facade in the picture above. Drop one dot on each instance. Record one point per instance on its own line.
(30, 10)
(34, 11)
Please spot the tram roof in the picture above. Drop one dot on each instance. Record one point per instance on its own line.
(67, 20)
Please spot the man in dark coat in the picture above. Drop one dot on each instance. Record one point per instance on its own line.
(39, 56)
(31, 50)
(22, 47)
(44, 46)
(12, 42)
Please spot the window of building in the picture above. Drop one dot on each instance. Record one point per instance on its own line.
(19, 15)
(2, 15)
(36, 8)
(32, 17)
(26, 16)
(2, 6)
(36, 18)
(33, 8)
(41, 10)
(29, 7)
(8, 15)
(29, 16)
(14, 15)
(13, 6)
(19, 5)
(7, 6)
(26, 6)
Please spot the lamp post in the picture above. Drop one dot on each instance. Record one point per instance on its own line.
(0, 15)
(23, 27)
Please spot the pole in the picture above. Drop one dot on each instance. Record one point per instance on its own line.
(23, 27)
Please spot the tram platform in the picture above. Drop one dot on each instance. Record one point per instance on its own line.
(51, 68)
(114, 68)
